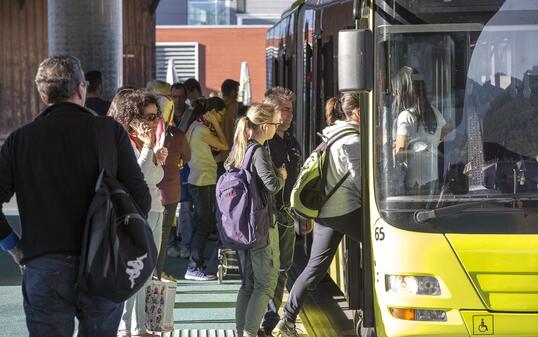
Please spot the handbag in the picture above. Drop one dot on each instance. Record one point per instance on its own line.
(159, 308)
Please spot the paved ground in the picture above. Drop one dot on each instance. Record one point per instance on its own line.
(199, 305)
(11, 312)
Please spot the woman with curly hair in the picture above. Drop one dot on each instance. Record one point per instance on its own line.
(137, 111)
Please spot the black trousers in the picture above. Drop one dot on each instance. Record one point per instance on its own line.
(328, 233)
(204, 222)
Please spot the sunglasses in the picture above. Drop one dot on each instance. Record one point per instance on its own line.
(150, 117)
(285, 109)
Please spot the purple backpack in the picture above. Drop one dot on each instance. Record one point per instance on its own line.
(243, 214)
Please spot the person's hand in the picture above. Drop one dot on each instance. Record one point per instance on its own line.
(305, 226)
(161, 155)
(211, 118)
(282, 172)
(147, 134)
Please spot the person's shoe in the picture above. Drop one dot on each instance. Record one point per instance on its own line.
(269, 322)
(173, 252)
(199, 274)
(184, 252)
(283, 330)
(166, 277)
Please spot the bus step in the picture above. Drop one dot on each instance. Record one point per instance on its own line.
(200, 333)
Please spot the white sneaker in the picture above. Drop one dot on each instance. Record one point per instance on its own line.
(283, 330)
(199, 274)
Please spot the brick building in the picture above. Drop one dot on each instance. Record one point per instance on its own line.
(208, 39)
(214, 53)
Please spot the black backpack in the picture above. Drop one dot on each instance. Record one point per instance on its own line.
(118, 251)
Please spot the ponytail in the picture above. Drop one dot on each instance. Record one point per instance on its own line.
(349, 102)
(256, 115)
(241, 138)
(333, 111)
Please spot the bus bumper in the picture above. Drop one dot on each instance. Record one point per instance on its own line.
(466, 323)
(484, 323)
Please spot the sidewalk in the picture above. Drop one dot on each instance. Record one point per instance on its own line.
(205, 309)
(202, 309)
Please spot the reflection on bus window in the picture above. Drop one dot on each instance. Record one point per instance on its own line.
(457, 103)
(417, 132)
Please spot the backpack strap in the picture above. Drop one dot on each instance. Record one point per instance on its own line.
(247, 159)
(105, 154)
(339, 135)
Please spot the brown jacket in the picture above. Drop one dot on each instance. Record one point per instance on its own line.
(179, 154)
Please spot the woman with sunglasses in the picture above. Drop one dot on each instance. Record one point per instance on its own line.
(137, 111)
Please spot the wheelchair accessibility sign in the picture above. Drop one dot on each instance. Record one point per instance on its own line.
(483, 325)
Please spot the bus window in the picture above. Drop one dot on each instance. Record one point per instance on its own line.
(457, 106)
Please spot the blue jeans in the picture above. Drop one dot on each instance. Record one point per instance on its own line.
(52, 301)
(185, 224)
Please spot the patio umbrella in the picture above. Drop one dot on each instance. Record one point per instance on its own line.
(171, 76)
(245, 90)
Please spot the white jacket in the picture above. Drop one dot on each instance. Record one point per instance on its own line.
(153, 174)
(344, 156)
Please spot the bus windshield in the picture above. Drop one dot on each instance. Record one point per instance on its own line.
(456, 112)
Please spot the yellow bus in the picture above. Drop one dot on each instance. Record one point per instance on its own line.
(450, 176)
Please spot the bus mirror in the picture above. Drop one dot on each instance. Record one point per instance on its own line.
(355, 60)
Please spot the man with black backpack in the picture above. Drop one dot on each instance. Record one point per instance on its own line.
(52, 165)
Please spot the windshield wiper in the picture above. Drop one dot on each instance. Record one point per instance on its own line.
(429, 214)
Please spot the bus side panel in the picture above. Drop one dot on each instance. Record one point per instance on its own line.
(405, 253)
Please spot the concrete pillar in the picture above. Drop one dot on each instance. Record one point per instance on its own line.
(92, 31)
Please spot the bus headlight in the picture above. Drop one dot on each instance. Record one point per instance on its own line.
(413, 285)
(422, 315)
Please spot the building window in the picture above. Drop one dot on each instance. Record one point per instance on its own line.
(257, 19)
(209, 12)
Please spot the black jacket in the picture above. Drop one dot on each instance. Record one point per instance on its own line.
(52, 166)
(286, 151)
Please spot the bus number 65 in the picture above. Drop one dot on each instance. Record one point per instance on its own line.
(379, 234)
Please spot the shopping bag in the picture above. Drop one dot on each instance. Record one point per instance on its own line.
(160, 299)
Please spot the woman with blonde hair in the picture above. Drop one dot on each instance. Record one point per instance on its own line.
(259, 265)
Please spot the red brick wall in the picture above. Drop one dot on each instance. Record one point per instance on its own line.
(221, 51)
